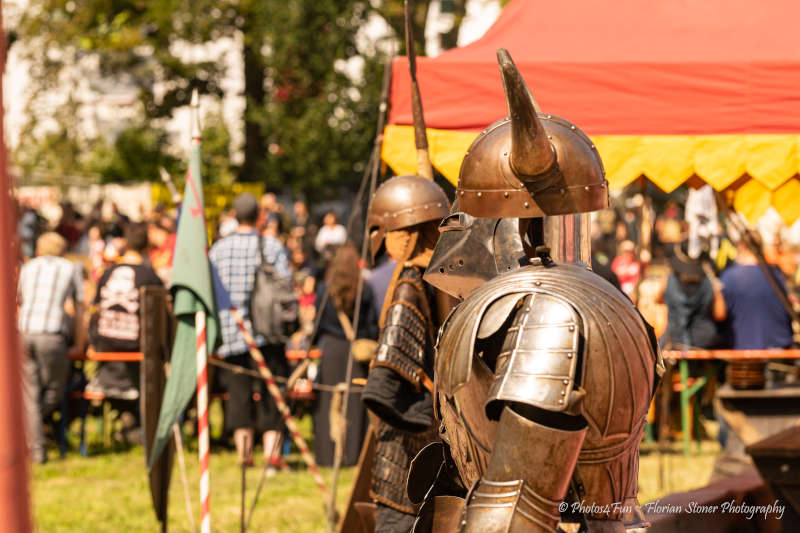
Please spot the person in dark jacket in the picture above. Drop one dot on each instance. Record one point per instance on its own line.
(694, 302)
(338, 315)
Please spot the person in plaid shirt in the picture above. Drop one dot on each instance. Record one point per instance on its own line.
(235, 259)
(45, 284)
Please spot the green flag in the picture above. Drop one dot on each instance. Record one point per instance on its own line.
(192, 291)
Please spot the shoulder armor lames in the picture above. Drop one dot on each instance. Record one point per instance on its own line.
(406, 338)
(539, 360)
(403, 341)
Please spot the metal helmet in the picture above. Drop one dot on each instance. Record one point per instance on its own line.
(402, 202)
(530, 164)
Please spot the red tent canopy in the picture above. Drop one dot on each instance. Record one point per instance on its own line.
(669, 89)
(624, 67)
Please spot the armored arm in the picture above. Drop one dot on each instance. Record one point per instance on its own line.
(540, 431)
(398, 386)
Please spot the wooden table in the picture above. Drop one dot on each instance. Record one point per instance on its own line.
(687, 390)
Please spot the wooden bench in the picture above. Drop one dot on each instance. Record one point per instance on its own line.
(87, 397)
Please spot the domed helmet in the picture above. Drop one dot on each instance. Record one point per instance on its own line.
(530, 164)
(402, 202)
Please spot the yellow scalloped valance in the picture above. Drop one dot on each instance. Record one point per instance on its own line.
(771, 161)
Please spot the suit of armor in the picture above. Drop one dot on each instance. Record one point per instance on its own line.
(544, 372)
(556, 358)
(397, 389)
(403, 218)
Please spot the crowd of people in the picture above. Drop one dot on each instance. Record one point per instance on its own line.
(79, 293)
(79, 287)
(699, 288)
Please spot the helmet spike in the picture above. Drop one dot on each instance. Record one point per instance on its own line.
(531, 152)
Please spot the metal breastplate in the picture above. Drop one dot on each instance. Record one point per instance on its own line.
(570, 343)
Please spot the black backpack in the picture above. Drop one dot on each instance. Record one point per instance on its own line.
(273, 304)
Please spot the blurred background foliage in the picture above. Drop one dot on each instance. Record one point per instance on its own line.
(311, 86)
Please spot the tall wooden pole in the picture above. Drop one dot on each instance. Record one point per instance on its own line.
(14, 498)
(424, 167)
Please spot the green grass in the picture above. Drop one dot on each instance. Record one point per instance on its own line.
(107, 492)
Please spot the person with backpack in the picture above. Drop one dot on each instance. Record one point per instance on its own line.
(256, 283)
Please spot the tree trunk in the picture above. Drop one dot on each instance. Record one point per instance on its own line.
(254, 144)
(450, 39)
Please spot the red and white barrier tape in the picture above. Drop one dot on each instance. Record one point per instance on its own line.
(282, 407)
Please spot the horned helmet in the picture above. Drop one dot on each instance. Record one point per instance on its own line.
(526, 165)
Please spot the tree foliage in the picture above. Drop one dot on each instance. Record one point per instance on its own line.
(311, 85)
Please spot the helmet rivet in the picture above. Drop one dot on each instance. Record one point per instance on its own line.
(572, 328)
(480, 194)
(439, 204)
(565, 382)
(569, 356)
(549, 136)
(505, 194)
(526, 203)
(560, 401)
(537, 283)
(549, 116)
(586, 188)
(462, 193)
(562, 191)
(594, 147)
(572, 126)
(563, 393)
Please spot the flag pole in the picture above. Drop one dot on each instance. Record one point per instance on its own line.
(202, 421)
(265, 372)
(202, 371)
